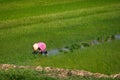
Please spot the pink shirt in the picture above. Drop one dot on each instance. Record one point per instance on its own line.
(42, 46)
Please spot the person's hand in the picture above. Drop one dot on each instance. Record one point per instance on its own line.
(40, 51)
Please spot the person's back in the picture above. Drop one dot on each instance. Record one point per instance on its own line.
(42, 46)
(39, 47)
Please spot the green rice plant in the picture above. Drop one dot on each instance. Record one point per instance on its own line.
(103, 58)
(33, 8)
(23, 75)
(87, 78)
(26, 74)
(60, 23)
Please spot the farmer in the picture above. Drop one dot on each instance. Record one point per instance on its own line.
(40, 48)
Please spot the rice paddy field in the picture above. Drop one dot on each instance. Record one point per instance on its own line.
(61, 23)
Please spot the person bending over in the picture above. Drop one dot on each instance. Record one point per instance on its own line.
(39, 48)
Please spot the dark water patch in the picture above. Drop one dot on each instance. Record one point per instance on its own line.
(85, 44)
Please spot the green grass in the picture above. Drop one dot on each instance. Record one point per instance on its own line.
(35, 75)
(103, 58)
(33, 8)
(23, 75)
(60, 23)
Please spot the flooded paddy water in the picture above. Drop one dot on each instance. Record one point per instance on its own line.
(81, 45)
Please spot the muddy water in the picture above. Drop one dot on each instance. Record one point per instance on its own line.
(56, 51)
(95, 42)
(83, 45)
(53, 52)
(117, 36)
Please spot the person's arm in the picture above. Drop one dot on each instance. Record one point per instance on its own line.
(39, 50)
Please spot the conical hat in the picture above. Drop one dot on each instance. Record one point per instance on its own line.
(35, 46)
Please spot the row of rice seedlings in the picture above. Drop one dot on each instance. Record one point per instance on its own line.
(80, 45)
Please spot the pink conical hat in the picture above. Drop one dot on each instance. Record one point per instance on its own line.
(42, 46)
